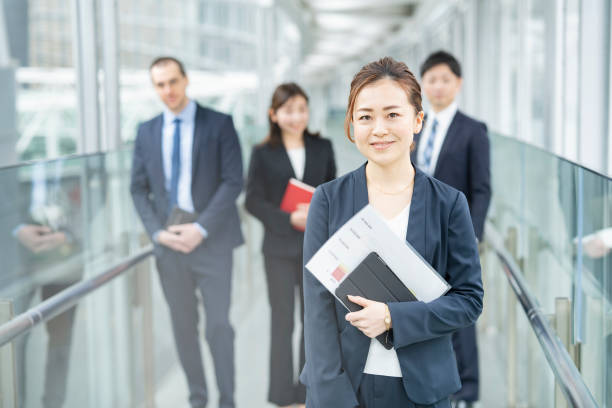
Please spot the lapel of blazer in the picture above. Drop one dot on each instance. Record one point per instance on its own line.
(416, 234)
(199, 137)
(310, 161)
(284, 161)
(360, 189)
(157, 156)
(360, 342)
(417, 222)
(449, 140)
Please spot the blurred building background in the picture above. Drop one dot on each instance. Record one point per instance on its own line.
(535, 70)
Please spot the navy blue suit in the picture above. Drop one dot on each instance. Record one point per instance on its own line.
(440, 230)
(216, 183)
(464, 163)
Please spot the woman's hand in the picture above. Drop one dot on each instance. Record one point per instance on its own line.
(298, 217)
(371, 319)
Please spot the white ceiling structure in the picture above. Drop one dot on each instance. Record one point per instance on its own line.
(337, 31)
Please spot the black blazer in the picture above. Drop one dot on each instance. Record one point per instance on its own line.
(464, 163)
(269, 172)
(216, 179)
(439, 229)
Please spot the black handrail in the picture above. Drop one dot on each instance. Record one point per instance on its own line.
(567, 375)
(65, 299)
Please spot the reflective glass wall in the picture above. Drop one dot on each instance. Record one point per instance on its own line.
(74, 74)
(536, 70)
(556, 218)
(39, 113)
(64, 221)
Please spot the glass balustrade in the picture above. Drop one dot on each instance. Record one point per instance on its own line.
(556, 217)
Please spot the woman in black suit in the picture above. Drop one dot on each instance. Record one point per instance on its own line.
(289, 150)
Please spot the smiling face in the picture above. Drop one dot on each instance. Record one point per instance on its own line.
(292, 116)
(384, 122)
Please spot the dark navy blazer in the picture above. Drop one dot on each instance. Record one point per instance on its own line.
(216, 179)
(464, 163)
(440, 229)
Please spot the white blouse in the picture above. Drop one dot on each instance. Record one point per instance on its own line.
(381, 361)
(297, 157)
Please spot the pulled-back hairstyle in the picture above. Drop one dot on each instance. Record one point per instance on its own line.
(281, 95)
(385, 67)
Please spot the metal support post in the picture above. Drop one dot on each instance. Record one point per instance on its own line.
(8, 385)
(563, 327)
(511, 324)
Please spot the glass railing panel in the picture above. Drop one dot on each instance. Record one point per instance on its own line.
(91, 355)
(64, 220)
(551, 205)
(507, 199)
(514, 368)
(592, 280)
(543, 232)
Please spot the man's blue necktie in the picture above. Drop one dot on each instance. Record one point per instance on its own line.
(176, 163)
(429, 148)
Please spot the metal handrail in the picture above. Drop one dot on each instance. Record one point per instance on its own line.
(65, 299)
(567, 375)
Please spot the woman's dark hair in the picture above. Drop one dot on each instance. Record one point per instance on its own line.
(441, 57)
(385, 67)
(281, 95)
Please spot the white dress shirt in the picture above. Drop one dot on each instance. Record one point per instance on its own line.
(381, 361)
(297, 157)
(444, 118)
(187, 126)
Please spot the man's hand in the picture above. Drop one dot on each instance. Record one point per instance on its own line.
(172, 241)
(298, 217)
(371, 319)
(38, 238)
(181, 238)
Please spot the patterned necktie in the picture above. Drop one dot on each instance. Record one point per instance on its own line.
(176, 163)
(429, 147)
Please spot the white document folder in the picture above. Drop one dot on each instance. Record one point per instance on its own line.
(367, 232)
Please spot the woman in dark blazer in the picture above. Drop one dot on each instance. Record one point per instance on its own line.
(345, 366)
(289, 151)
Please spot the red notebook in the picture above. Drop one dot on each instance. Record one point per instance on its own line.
(296, 193)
